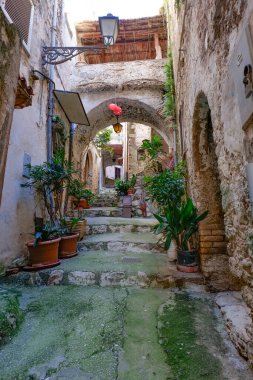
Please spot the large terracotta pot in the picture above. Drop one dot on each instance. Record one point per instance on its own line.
(44, 255)
(187, 261)
(68, 246)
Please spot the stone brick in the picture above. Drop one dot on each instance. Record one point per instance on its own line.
(220, 244)
(204, 232)
(206, 244)
(211, 238)
(218, 232)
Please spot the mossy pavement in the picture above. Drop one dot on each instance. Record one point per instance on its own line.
(71, 332)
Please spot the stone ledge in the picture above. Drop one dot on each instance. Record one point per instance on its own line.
(238, 322)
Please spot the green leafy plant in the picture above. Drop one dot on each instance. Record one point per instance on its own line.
(103, 139)
(121, 186)
(67, 225)
(132, 181)
(152, 148)
(166, 188)
(169, 96)
(49, 181)
(179, 222)
(76, 189)
(47, 231)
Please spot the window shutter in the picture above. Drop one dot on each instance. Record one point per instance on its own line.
(20, 13)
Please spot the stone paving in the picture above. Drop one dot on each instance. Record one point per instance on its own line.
(118, 311)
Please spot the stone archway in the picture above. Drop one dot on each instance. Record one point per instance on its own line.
(205, 185)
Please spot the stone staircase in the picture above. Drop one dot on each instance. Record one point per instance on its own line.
(116, 251)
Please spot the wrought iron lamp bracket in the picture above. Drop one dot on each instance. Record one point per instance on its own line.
(57, 55)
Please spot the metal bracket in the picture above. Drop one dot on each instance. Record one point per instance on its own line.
(56, 55)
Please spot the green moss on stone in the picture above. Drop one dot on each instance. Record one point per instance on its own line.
(188, 336)
(11, 316)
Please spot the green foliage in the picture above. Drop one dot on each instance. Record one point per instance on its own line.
(77, 189)
(169, 97)
(47, 231)
(122, 186)
(166, 188)
(152, 148)
(11, 316)
(49, 180)
(178, 4)
(102, 140)
(56, 119)
(67, 225)
(179, 223)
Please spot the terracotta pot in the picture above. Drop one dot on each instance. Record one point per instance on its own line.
(187, 261)
(130, 191)
(44, 255)
(68, 246)
(83, 203)
(79, 228)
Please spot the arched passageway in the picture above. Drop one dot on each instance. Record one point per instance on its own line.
(205, 184)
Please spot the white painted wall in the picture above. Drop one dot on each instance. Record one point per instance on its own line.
(28, 134)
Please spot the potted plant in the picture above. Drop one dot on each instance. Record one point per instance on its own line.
(83, 197)
(131, 183)
(49, 181)
(43, 250)
(69, 238)
(121, 186)
(180, 223)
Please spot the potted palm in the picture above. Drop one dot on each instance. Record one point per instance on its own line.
(180, 223)
(131, 184)
(49, 180)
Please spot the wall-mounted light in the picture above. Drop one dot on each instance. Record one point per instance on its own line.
(109, 26)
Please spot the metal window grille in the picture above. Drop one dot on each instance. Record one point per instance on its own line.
(20, 13)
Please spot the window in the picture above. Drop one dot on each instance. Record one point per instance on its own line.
(19, 13)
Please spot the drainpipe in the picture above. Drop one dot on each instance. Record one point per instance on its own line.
(71, 137)
(51, 88)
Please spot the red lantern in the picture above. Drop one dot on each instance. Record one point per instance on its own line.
(112, 106)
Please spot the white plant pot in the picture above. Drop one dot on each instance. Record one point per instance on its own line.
(172, 251)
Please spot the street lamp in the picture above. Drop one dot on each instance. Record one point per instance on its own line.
(55, 55)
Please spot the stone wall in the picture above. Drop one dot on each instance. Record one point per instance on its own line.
(215, 117)
(9, 70)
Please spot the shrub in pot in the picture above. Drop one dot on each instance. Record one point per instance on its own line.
(49, 180)
(180, 223)
(43, 250)
(84, 197)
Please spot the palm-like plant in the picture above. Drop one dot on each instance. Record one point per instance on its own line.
(179, 223)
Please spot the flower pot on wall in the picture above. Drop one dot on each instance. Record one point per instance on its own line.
(187, 261)
(44, 255)
(68, 246)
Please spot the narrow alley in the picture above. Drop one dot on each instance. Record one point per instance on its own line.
(126, 190)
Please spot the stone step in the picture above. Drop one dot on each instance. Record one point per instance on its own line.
(108, 268)
(122, 242)
(102, 211)
(100, 225)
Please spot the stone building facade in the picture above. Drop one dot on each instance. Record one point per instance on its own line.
(24, 110)
(212, 46)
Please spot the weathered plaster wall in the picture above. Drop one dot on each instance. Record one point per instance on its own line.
(9, 70)
(207, 80)
(28, 132)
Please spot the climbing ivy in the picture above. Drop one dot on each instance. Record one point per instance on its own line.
(169, 97)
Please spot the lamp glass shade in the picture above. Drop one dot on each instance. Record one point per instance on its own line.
(117, 127)
(109, 26)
